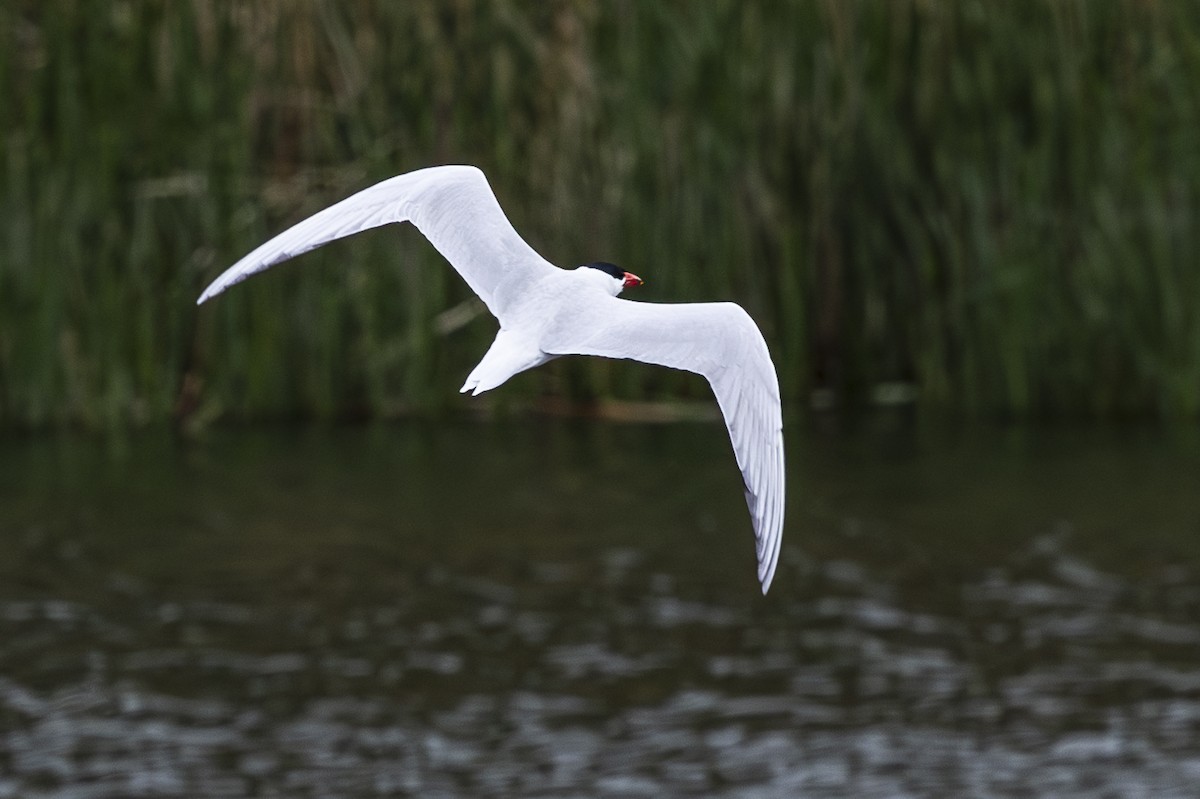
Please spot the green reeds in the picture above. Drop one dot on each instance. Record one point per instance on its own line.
(993, 203)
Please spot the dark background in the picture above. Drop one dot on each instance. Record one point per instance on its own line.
(984, 208)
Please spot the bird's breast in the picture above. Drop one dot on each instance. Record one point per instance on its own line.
(552, 307)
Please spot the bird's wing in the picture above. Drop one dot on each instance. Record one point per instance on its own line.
(721, 342)
(452, 205)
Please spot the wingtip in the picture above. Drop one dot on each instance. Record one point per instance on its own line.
(208, 294)
(769, 560)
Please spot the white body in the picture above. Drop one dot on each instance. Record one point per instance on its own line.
(546, 312)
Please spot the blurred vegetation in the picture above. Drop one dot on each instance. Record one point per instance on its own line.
(993, 204)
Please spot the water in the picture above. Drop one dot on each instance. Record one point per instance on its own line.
(555, 608)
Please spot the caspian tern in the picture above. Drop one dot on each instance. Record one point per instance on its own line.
(546, 312)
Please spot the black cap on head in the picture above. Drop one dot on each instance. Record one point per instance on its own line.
(605, 266)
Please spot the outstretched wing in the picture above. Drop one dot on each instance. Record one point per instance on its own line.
(452, 205)
(721, 342)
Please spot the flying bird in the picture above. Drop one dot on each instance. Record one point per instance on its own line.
(546, 312)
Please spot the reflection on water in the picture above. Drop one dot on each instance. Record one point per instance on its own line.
(560, 609)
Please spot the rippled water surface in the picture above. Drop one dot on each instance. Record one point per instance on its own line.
(569, 609)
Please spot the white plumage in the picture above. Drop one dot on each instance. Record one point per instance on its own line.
(546, 312)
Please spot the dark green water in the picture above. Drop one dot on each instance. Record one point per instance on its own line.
(550, 608)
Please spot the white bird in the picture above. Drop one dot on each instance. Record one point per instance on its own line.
(546, 312)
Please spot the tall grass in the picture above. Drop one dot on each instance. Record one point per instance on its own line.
(993, 203)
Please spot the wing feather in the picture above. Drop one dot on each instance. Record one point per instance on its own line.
(721, 342)
(453, 206)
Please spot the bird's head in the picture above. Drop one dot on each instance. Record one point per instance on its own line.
(618, 278)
